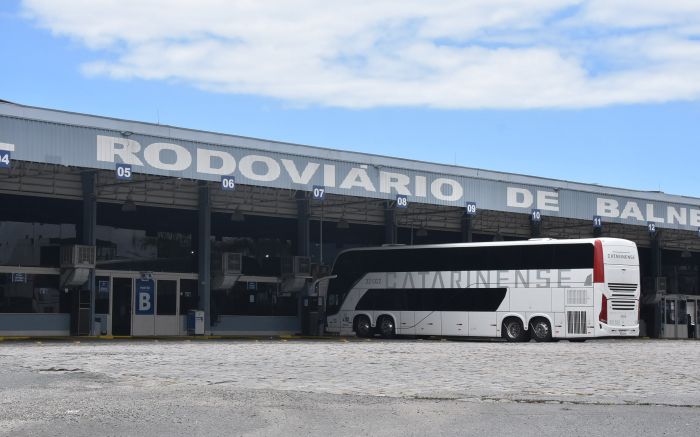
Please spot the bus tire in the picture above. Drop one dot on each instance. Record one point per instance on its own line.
(363, 327)
(387, 327)
(513, 330)
(541, 329)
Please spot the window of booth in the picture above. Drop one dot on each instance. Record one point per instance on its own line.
(254, 299)
(33, 244)
(29, 293)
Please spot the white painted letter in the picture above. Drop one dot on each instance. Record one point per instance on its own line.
(695, 218)
(204, 156)
(518, 197)
(421, 186)
(329, 175)
(397, 181)
(272, 168)
(107, 150)
(436, 189)
(152, 152)
(305, 176)
(679, 216)
(650, 214)
(631, 209)
(548, 200)
(358, 177)
(608, 208)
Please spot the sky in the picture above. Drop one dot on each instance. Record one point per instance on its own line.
(593, 91)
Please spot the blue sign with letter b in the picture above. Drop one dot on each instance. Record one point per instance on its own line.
(144, 301)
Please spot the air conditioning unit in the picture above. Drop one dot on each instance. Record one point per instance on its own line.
(299, 266)
(78, 256)
(77, 261)
(227, 263)
(226, 268)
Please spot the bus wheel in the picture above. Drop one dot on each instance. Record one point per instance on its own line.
(541, 330)
(513, 330)
(363, 328)
(386, 327)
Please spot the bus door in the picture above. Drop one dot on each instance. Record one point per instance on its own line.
(483, 323)
(406, 325)
(455, 323)
(428, 320)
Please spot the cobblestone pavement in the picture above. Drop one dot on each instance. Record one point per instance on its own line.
(648, 372)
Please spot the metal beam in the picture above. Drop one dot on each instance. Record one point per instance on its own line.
(204, 252)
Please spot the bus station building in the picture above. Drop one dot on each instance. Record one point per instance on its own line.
(112, 227)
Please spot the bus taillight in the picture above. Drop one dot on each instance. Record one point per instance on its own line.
(603, 316)
(598, 263)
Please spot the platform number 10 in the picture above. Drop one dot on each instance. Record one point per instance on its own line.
(536, 215)
(401, 201)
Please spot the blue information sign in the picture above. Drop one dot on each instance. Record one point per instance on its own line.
(252, 285)
(19, 278)
(5, 159)
(651, 226)
(401, 201)
(103, 288)
(319, 192)
(123, 171)
(144, 301)
(536, 216)
(470, 208)
(597, 222)
(228, 183)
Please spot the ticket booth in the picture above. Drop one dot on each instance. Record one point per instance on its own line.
(143, 304)
(679, 316)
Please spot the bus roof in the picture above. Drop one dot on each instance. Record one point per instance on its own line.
(531, 242)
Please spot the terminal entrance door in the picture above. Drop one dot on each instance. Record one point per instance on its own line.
(144, 305)
(156, 303)
(674, 322)
(121, 306)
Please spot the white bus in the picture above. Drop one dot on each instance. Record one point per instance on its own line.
(541, 289)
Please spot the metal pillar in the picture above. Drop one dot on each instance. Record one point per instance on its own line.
(302, 223)
(88, 230)
(204, 255)
(389, 224)
(467, 229)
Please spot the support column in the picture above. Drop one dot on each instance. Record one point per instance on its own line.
(302, 223)
(389, 224)
(88, 230)
(204, 253)
(467, 229)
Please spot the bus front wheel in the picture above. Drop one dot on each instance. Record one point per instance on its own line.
(541, 330)
(513, 330)
(363, 327)
(387, 328)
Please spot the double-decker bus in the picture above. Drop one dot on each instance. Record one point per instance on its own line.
(542, 289)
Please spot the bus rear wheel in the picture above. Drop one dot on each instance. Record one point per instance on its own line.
(541, 330)
(363, 327)
(513, 330)
(387, 329)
